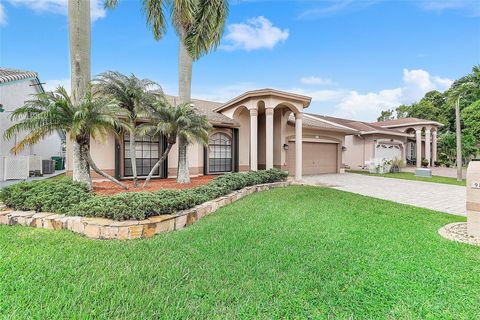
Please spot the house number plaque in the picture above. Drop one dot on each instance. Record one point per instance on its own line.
(476, 185)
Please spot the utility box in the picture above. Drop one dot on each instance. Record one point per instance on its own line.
(473, 198)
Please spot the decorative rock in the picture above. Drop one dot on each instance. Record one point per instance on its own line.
(192, 216)
(165, 225)
(51, 222)
(149, 230)
(135, 232)
(92, 231)
(180, 222)
(457, 231)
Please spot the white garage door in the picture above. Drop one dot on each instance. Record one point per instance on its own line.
(388, 151)
(317, 158)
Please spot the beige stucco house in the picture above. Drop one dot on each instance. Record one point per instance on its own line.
(262, 129)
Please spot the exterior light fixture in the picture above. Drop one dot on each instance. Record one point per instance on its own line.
(344, 148)
(1, 108)
(285, 146)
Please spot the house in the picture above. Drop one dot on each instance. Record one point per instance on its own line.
(16, 87)
(259, 129)
(400, 138)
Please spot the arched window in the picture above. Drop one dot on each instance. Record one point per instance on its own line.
(219, 153)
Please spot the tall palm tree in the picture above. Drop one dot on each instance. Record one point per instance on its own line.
(199, 25)
(52, 111)
(79, 37)
(182, 122)
(459, 89)
(133, 95)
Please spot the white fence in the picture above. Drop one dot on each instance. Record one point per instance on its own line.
(18, 168)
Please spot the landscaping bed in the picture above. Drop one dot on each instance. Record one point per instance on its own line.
(110, 188)
(73, 199)
(290, 253)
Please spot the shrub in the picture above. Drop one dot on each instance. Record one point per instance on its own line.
(73, 198)
(47, 195)
(141, 205)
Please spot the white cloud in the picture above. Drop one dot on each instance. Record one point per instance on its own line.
(51, 85)
(330, 7)
(59, 7)
(469, 7)
(3, 15)
(256, 33)
(367, 106)
(317, 81)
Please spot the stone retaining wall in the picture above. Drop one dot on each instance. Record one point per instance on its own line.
(99, 228)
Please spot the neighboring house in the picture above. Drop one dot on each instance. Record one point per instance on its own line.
(16, 87)
(400, 139)
(259, 129)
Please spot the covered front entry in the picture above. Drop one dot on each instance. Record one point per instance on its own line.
(318, 157)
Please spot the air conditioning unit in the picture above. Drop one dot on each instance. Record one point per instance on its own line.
(48, 166)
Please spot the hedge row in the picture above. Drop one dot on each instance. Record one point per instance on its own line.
(65, 196)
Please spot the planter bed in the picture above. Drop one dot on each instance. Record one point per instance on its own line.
(100, 228)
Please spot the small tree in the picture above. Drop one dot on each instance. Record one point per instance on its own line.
(133, 95)
(48, 112)
(181, 122)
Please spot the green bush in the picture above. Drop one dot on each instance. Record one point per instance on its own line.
(47, 195)
(66, 196)
(141, 205)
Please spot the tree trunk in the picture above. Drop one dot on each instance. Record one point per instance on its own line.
(185, 63)
(79, 36)
(155, 167)
(183, 175)
(81, 168)
(458, 131)
(133, 159)
(102, 173)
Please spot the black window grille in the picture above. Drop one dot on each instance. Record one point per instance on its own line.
(147, 153)
(219, 153)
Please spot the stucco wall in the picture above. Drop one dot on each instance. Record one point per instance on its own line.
(12, 96)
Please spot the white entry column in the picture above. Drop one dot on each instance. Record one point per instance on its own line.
(298, 145)
(418, 141)
(269, 138)
(253, 139)
(427, 146)
(434, 147)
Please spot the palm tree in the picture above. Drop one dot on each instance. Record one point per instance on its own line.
(79, 36)
(52, 111)
(459, 89)
(182, 122)
(132, 95)
(199, 25)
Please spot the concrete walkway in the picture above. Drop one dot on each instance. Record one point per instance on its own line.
(434, 196)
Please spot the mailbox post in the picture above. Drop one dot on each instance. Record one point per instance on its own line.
(473, 198)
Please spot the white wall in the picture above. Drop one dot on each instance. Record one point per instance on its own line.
(12, 96)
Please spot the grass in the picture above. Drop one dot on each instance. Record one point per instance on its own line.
(411, 176)
(298, 252)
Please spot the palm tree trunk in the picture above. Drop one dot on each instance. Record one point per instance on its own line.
(155, 167)
(79, 36)
(458, 131)
(183, 175)
(81, 168)
(185, 63)
(102, 173)
(133, 158)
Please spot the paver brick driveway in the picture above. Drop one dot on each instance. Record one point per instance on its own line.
(434, 196)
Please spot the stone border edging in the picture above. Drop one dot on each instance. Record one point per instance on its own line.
(101, 228)
(457, 231)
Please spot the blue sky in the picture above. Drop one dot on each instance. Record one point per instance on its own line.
(353, 58)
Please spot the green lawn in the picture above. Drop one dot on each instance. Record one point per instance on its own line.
(294, 252)
(411, 176)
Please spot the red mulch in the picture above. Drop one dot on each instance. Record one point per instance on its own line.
(109, 188)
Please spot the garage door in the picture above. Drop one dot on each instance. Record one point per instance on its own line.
(317, 158)
(388, 151)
